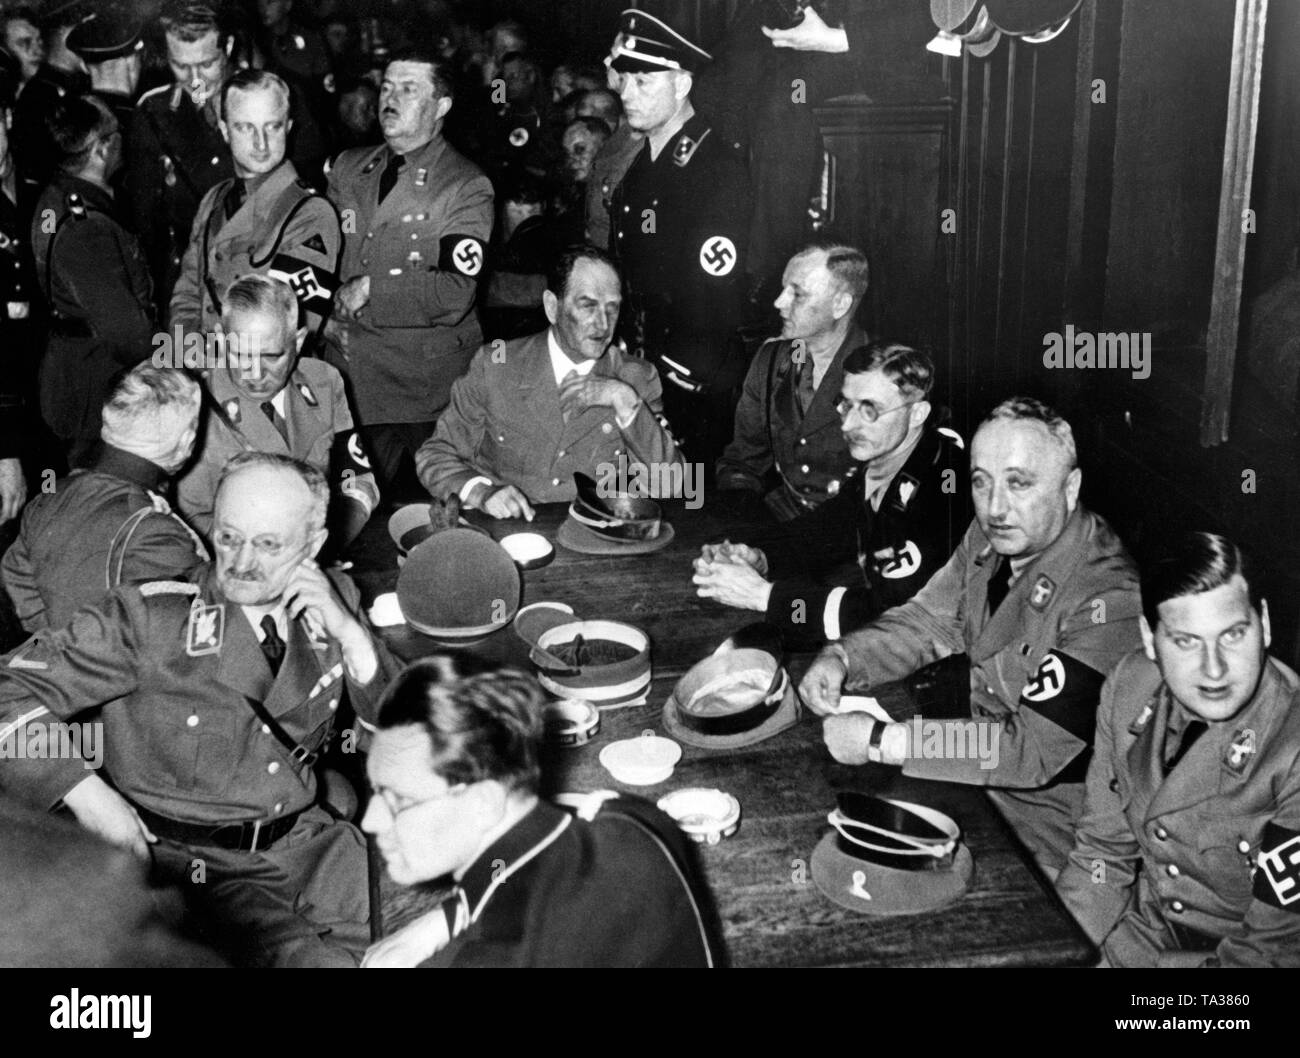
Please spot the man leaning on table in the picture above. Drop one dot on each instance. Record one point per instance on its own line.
(530, 412)
(1043, 599)
(1188, 850)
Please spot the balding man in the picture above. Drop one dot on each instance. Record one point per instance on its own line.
(1042, 598)
(217, 698)
(264, 219)
(267, 398)
(787, 442)
(109, 524)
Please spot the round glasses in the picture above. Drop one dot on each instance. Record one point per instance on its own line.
(845, 408)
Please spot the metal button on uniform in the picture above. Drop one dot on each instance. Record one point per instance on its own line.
(415, 235)
(1177, 907)
(1161, 833)
(216, 160)
(1243, 845)
(273, 767)
(606, 428)
(279, 807)
(1173, 871)
(804, 469)
(803, 440)
(555, 481)
(333, 704)
(501, 438)
(266, 730)
(559, 454)
(192, 721)
(627, 209)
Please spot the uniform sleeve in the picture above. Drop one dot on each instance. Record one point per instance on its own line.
(924, 629)
(1097, 883)
(365, 698)
(142, 182)
(57, 675)
(1056, 715)
(647, 436)
(749, 455)
(354, 479)
(710, 277)
(186, 307)
(161, 548)
(313, 240)
(20, 583)
(196, 491)
(441, 293)
(89, 261)
(1271, 936)
(446, 460)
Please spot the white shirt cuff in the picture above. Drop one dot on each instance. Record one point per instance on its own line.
(471, 485)
(831, 614)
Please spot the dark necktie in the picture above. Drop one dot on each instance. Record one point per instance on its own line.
(235, 198)
(1194, 730)
(388, 179)
(277, 420)
(805, 389)
(999, 584)
(272, 645)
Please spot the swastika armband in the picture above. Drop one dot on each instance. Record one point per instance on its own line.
(1065, 691)
(717, 256)
(1277, 877)
(313, 286)
(463, 254)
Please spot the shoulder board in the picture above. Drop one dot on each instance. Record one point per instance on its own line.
(952, 436)
(168, 587)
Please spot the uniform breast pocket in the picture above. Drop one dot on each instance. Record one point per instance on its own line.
(199, 751)
(1227, 848)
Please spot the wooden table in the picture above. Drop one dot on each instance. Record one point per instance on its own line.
(772, 913)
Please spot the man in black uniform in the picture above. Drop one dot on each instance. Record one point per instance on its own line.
(18, 320)
(111, 44)
(679, 220)
(177, 149)
(93, 275)
(899, 514)
(62, 74)
(454, 768)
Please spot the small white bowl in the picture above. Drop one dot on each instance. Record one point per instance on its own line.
(706, 816)
(529, 550)
(644, 761)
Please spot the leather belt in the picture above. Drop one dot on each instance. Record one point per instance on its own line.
(251, 835)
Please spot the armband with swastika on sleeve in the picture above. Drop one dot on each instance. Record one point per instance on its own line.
(463, 254)
(313, 286)
(1277, 877)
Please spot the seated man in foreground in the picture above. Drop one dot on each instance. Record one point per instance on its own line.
(532, 411)
(270, 399)
(1042, 598)
(899, 516)
(1187, 850)
(454, 767)
(217, 698)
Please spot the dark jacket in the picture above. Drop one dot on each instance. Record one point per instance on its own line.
(100, 527)
(921, 518)
(617, 889)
